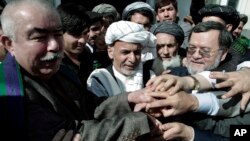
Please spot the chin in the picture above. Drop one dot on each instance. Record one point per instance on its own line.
(195, 69)
(128, 72)
(47, 73)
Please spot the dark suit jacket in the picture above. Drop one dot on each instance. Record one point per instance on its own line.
(201, 135)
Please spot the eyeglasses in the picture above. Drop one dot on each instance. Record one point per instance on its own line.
(204, 52)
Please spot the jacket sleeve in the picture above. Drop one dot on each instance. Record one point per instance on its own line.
(219, 125)
(115, 105)
(117, 128)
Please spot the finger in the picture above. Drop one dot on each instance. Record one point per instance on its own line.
(230, 93)
(166, 126)
(59, 135)
(158, 104)
(169, 134)
(150, 81)
(68, 136)
(140, 98)
(153, 82)
(155, 113)
(244, 101)
(160, 87)
(224, 84)
(139, 107)
(168, 112)
(77, 137)
(218, 75)
(166, 72)
(170, 83)
(158, 95)
(174, 90)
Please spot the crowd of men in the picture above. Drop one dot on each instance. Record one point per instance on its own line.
(144, 74)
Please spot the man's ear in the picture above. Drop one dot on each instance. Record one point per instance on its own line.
(224, 54)
(111, 52)
(157, 18)
(7, 43)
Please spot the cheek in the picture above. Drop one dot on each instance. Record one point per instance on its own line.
(69, 41)
(209, 62)
(159, 51)
(172, 51)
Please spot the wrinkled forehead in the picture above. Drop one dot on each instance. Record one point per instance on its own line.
(40, 21)
(37, 16)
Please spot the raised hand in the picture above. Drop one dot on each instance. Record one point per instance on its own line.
(172, 105)
(238, 82)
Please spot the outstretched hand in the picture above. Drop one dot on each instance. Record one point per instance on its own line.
(171, 105)
(140, 96)
(238, 82)
(169, 83)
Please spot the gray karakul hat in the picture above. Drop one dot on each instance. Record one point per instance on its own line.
(227, 13)
(106, 10)
(137, 6)
(169, 27)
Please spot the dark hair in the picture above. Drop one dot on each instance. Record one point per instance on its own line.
(162, 3)
(243, 18)
(225, 37)
(73, 17)
(227, 13)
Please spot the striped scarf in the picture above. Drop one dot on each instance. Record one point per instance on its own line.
(11, 96)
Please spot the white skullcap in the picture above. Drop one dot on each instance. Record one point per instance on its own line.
(129, 32)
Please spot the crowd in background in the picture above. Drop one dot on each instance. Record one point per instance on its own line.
(67, 73)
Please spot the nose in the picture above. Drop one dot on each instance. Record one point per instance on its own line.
(132, 57)
(82, 40)
(53, 44)
(166, 13)
(165, 50)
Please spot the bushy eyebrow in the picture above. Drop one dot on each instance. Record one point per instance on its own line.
(43, 30)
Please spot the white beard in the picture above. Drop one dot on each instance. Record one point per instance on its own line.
(159, 66)
(193, 71)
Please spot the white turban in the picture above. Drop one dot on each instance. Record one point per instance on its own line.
(129, 32)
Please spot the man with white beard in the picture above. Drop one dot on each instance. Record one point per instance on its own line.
(169, 36)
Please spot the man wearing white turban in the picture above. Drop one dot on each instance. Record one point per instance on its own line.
(125, 41)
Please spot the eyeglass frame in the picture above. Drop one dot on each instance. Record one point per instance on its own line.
(204, 54)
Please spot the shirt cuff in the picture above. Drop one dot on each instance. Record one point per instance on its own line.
(243, 64)
(208, 103)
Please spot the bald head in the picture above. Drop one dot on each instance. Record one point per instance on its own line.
(17, 11)
(33, 35)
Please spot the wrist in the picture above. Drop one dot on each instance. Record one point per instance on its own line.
(190, 136)
(190, 83)
(195, 103)
(194, 84)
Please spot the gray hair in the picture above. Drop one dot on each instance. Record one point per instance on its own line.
(9, 20)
